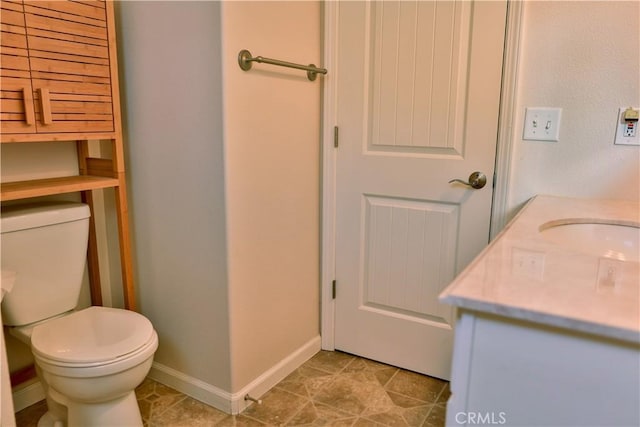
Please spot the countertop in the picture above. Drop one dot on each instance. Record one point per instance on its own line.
(524, 275)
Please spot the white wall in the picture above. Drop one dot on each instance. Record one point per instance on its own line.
(35, 161)
(171, 95)
(224, 178)
(272, 157)
(584, 58)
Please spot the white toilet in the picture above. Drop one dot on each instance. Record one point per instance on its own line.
(89, 361)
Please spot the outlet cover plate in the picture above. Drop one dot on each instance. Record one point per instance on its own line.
(542, 124)
(620, 127)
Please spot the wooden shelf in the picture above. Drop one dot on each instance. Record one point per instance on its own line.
(49, 186)
(9, 138)
(59, 79)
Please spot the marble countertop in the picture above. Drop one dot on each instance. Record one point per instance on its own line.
(524, 275)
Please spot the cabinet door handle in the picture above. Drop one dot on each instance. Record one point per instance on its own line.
(29, 114)
(45, 104)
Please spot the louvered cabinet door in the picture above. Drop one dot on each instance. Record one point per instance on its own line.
(69, 62)
(16, 98)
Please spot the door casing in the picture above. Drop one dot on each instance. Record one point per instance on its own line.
(506, 134)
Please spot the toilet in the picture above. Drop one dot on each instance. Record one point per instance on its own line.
(89, 361)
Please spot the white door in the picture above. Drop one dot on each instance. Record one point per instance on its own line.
(418, 89)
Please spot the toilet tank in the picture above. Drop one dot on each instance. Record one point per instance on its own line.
(45, 245)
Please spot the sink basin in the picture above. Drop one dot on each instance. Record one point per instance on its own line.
(601, 238)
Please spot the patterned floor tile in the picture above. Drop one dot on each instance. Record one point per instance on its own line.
(421, 387)
(355, 394)
(399, 417)
(331, 389)
(330, 361)
(306, 381)
(436, 417)
(158, 398)
(317, 414)
(188, 413)
(277, 408)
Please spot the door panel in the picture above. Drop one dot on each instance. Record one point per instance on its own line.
(408, 257)
(417, 67)
(418, 99)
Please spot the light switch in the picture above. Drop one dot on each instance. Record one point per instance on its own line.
(542, 124)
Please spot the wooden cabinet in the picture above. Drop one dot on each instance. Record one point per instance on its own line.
(16, 104)
(59, 82)
(56, 67)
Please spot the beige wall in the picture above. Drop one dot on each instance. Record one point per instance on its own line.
(584, 58)
(272, 156)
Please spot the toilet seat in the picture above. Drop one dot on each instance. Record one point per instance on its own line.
(94, 336)
(99, 369)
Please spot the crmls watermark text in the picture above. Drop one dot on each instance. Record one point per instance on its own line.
(481, 418)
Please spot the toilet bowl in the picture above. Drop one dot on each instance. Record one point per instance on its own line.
(89, 361)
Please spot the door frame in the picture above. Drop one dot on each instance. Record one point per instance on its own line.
(506, 135)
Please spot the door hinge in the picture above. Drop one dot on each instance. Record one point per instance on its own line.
(333, 289)
(335, 136)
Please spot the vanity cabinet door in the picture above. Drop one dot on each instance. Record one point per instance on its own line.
(69, 63)
(16, 101)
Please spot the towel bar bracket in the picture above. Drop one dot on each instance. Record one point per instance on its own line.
(244, 60)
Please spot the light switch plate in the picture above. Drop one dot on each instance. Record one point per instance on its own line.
(542, 124)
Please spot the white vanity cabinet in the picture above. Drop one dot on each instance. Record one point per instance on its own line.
(547, 334)
(519, 373)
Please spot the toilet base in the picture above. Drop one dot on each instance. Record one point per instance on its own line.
(50, 420)
(123, 411)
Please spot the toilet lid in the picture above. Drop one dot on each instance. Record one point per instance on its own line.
(95, 334)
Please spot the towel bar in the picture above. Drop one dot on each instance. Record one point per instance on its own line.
(245, 61)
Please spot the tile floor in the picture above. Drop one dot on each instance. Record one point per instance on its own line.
(330, 389)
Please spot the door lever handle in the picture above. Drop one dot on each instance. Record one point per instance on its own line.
(477, 180)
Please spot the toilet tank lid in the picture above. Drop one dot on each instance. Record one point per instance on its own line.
(24, 217)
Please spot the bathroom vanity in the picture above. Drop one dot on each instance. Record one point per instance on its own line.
(548, 329)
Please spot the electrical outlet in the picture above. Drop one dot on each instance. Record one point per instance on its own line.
(542, 124)
(610, 274)
(627, 130)
(630, 129)
(526, 263)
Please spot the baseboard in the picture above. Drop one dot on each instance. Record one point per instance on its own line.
(27, 395)
(224, 400)
(274, 375)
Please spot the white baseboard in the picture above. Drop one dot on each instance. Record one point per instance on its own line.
(234, 403)
(274, 375)
(27, 395)
(199, 390)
